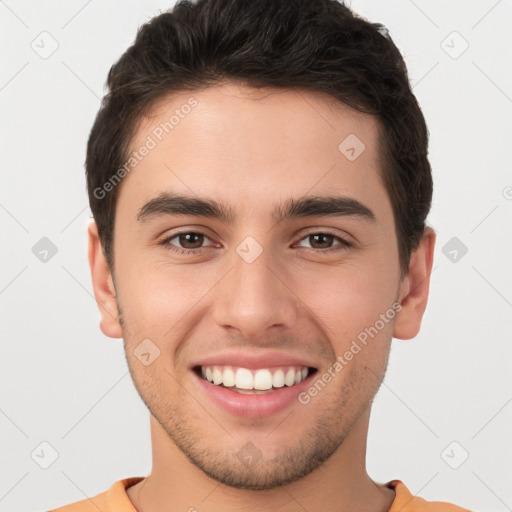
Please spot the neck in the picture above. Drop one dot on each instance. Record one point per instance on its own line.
(341, 483)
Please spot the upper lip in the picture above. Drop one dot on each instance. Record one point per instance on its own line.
(253, 361)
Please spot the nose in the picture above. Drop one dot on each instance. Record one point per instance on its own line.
(255, 296)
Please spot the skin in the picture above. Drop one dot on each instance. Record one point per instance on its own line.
(253, 149)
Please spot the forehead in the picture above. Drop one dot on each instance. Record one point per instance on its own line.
(236, 142)
(267, 111)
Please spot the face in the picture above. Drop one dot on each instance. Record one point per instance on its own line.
(245, 281)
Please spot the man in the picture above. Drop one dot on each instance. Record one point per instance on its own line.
(259, 181)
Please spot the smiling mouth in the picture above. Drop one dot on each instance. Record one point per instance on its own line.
(254, 381)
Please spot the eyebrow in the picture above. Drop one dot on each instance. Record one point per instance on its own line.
(307, 206)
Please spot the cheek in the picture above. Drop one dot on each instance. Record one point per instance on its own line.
(156, 298)
(348, 297)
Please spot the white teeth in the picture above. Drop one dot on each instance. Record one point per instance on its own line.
(254, 381)
(228, 377)
(289, 380)
(278, 379)
(217, 376)
(263, 379)
(244, 379)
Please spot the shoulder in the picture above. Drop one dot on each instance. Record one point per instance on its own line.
(406, 502)
(114, 499)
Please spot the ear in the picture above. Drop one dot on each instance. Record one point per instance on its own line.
(103, 286)
(414, 288)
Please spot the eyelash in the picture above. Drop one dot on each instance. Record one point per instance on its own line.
(343, 245)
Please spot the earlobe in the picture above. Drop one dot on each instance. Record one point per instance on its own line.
(415, 287)
(103, 285)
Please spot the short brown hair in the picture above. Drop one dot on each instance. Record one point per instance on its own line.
(317, 44)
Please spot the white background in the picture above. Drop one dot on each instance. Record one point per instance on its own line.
(65, 383)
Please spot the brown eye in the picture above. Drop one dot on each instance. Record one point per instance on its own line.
(186, 241)
(321, 242)
(191, 240)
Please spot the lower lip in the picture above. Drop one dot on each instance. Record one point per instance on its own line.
(253, 406)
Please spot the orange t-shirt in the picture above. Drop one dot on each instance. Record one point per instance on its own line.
(116, 500)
